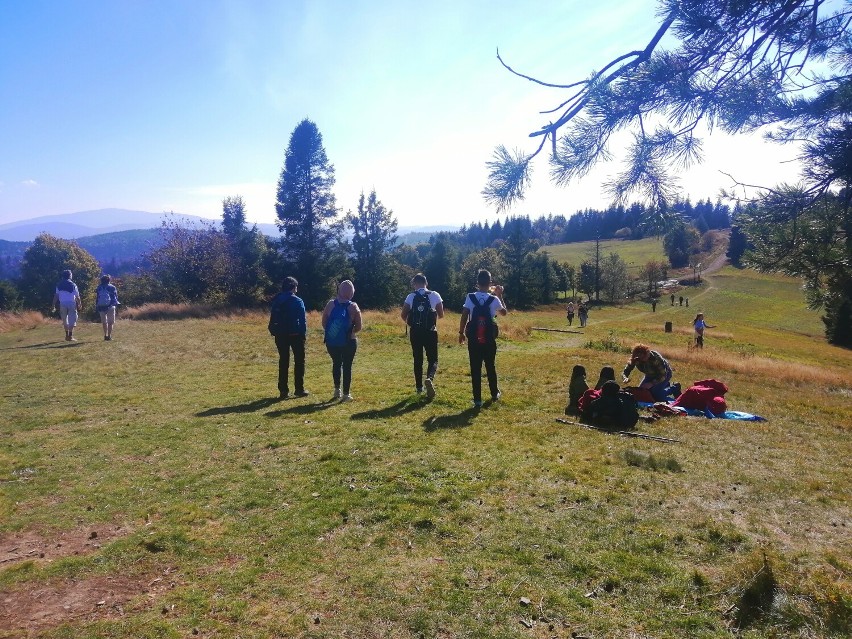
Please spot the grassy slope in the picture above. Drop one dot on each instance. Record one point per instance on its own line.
(635, 252)
(389, 517)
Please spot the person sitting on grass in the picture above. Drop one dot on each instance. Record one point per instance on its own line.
(613, 410)
(607, 374)
(576, 387)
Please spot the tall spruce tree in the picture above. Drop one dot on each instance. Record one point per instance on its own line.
(373, 236)
(306, 210)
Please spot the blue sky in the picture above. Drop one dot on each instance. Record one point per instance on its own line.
(172, 105)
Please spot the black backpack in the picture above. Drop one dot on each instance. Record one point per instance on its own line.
(422, 317)
(278, 318)
(481, 327)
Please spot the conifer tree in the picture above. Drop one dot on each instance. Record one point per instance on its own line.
(306, 210)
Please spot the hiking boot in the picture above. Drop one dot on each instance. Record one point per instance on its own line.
(419, 390)
(477, 403)
(430, 389)
(496, 398)
(302, 393)
(347, 398)
(337, 394)
(106, 338)
(284, 395)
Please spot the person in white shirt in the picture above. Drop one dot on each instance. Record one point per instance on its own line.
(66, 300)
(477, 326)
(421, 310)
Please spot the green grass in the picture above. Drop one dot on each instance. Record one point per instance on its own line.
(394, 517)
(636, 253)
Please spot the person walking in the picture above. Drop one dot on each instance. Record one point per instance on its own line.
(106, 303)
(672, 299)
(583, 314)
(66, 300)
(421, 311)
(658, 373)
(699, 324)
(341, 322)
(570, 313)
(653, 304)
(287, 324)
(478, 328)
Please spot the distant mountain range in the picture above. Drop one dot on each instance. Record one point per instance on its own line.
(72, 226)
(118, 236)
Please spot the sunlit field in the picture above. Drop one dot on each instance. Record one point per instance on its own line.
(154, 486)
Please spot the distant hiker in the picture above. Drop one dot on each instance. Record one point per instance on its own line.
(687, 302)
(288, 326)
(66, 300)
(614, 409)
(680, 300)
(576, 387)
(658, 373)
(672, 299)
(699, 324)
(106, 301)
(421, 311)
(570, 313)
(341, 321)
(607, 375)
(583, 314)
(478, 327)
(654, 305)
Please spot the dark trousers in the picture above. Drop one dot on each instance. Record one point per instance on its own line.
(480, 354)
(341, 363)
(421, 342)
(284, 344)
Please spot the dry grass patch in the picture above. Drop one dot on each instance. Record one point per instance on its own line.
(17, 321)
(163, 311)
(759, 366)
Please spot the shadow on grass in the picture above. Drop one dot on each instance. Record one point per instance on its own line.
(249, 407)
(459, 420)
(400, 408)
(303, 409)
(45, 345)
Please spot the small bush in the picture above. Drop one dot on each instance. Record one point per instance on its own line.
(610, 344)
(649, 461)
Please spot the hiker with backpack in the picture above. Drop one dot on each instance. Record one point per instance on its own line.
(288, 326)
(478, 327)
(106, 301)
(421, 311)
(341, 321)
(66, 300)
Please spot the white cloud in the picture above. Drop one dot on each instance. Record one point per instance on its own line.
(31, 184)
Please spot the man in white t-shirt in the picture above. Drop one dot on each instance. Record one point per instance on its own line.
(477, 326)
(66, 300)
(421, 311)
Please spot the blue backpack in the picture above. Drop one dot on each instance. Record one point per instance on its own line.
(339, 325)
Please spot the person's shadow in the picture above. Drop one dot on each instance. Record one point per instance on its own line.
(459, 420)
(398, 409)
(249, 407)
(303, 409)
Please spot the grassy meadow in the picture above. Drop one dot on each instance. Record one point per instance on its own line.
(202, 506)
